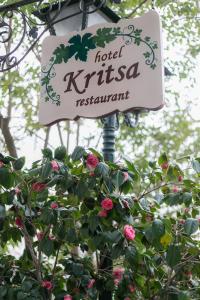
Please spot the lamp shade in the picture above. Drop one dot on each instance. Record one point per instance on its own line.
(70, 16)
(74, 23)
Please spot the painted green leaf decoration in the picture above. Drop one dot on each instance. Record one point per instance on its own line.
(104, 36)
(137, 40)
(62, 54)
(81, 46)
(138, 32)
(45, 80)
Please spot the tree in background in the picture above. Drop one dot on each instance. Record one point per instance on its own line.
(174, 129)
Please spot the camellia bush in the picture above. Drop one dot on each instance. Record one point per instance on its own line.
(86, 227)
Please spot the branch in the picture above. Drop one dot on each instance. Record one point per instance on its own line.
(60, 134)
(29, 245)
(156, 188)
(9, 141)
(135, 9)
(55, 263)
(47, 137)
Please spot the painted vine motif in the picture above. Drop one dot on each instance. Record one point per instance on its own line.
(79, 46)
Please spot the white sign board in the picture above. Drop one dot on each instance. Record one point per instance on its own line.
(103, 69)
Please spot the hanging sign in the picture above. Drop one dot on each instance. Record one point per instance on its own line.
(105, 68)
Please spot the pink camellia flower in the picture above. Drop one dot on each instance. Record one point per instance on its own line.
(116, 282)
(52, 237)
(165, 165)
(91, 283)
(1, 164)
(54, 166)
(19, 223)
(125, 203)
(107, 204)
(187, 210)
(126, 176)
(118, 273)
(40, 235)
(180, 178)
(47, 284)
(67, 297)
(38, 186)
(17, 191)
(182, 221)
(131, 288)
(175, 189)
(103, 213)
(92, 174)
(54, 205)
(92, 161)
(129, 232)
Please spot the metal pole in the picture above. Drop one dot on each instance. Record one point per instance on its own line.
(110, 125)
(109, 137)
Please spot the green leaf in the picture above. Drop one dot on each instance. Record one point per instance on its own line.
(46, 170)
(19, 163)
(133, 169)
(47, 153)
(21, 295)
(6, 178)
(81, 189)
(183, 296)
(60, 153)
(3, 291)
(96, 153)
(102, 170)
(78, 153)
(93, 223)
(2, 211)
(173, 199)
(42, 196)
(47, 246)
(162, 159)
(118, 178)
(117, 251)
(71, 235)
(173, 256)
(158, 229)
(187, 198)
(112, 236)
(191, 225)
(196, 165)
(48, 216)
(77, 269)
(131, 255)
